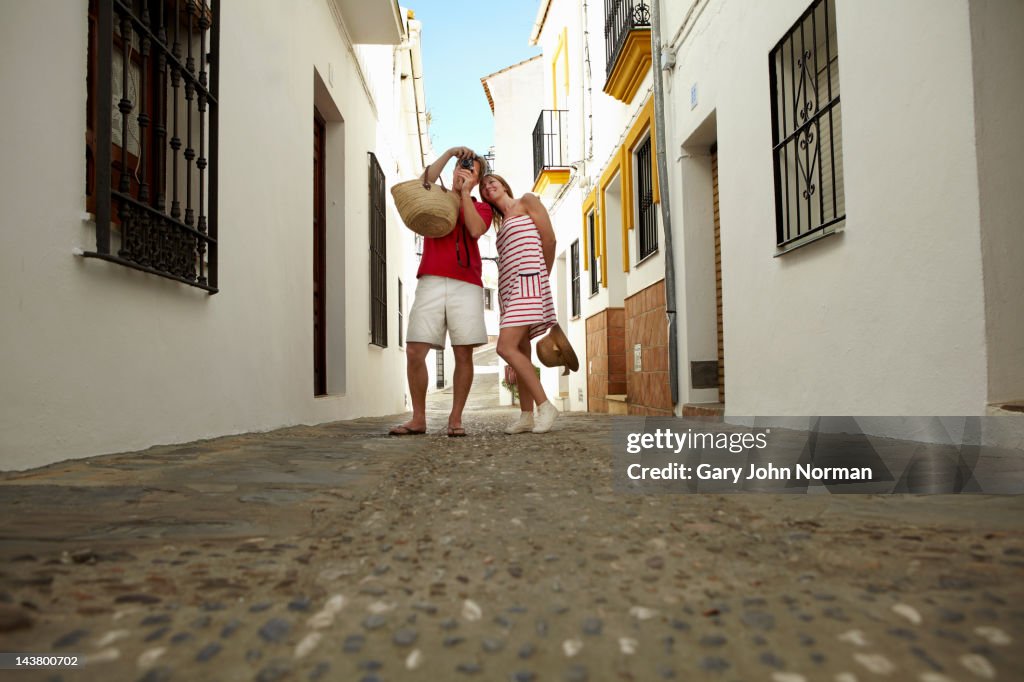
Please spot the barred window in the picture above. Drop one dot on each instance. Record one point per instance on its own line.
(488, 299)
(574, 256)
(439, 368)
(151, 136)
(647, 223)
(807, 129)
(378, 256)
(595, 278)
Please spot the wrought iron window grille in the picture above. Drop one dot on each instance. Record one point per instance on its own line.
(153, 73)
(549, 141)
(807, 129)
(621, 17)
(574, 256)
(647, 223)
(378, 255)
(595, 277)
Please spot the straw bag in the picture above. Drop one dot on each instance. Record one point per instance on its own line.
(425, 208)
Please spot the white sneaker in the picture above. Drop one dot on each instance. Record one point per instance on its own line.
(546, 415)
(521, 425)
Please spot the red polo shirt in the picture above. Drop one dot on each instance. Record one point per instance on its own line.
(439, 254)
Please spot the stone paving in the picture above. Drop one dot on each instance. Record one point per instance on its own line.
(338, 553)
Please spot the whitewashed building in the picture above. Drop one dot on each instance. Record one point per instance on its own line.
(238, 266)
(843, 180)
(853, 165)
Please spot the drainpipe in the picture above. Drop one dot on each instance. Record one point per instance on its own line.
(663, 186)
(416, 68)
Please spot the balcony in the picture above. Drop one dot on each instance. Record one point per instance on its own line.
(550, 162)
(372, 23)
(627, 39)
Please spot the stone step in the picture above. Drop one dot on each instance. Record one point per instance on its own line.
(617, 403)
(704, 410)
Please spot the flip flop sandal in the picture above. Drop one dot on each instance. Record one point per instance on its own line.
(456, 432)
(406, 431)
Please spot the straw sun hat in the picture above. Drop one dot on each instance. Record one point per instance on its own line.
(554, 350)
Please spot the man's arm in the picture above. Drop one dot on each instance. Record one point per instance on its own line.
(434, 169)
(470, 215)
(535, 209)
(474, 223)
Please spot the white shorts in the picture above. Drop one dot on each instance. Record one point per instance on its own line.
(445, 304)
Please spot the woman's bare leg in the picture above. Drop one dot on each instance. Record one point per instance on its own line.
(509, 340)
(525, 399)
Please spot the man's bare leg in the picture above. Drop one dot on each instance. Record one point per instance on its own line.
(416, 372)
(462, 381)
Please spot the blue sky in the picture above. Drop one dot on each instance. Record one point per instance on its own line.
(462, 42)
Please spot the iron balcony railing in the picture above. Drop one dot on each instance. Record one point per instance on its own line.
(549, 150)
(621, 17)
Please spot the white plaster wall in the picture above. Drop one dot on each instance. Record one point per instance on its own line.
(997, 32)
(518, 99)
(567, 222)
(98, 358)
(888, 317)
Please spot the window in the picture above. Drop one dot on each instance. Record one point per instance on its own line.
(151, 136)
(595, 276)
(574, 256)
(488, 299)
(378, 256)
(401, 310)
(439, 367)
(807, 129)
(647, 234)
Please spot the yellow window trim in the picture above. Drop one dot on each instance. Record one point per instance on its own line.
(561, 51)
(589, 204)
(644, 122)
(621, 164)
(614, 168)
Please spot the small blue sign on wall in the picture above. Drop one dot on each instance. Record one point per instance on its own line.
(693, 96)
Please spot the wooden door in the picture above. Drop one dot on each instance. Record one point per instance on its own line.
(718, 276)
(319, 259)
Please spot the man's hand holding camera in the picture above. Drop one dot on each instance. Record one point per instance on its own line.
(468, 178)
(463, 153)
(464, 179)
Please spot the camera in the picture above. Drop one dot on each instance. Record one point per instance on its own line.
(467, 162)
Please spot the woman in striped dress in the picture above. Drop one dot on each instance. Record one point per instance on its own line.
(526, 252)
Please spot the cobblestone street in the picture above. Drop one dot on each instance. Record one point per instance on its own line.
(339, 553)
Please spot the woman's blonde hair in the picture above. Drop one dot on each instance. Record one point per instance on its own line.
(498, 215)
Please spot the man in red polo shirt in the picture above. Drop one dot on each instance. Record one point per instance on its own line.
(449, 296)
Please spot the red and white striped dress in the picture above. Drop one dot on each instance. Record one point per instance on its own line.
(524, 291)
